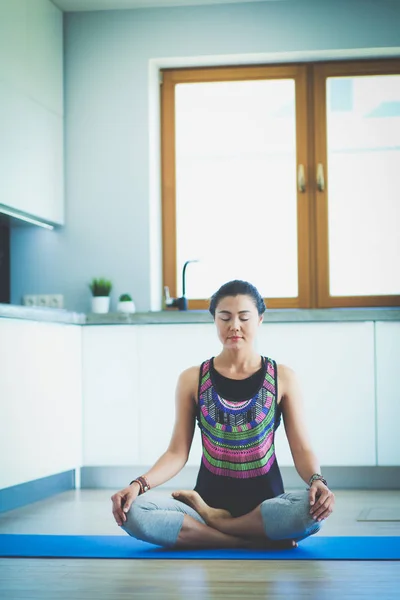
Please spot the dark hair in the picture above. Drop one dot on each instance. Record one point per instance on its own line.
(235, 288)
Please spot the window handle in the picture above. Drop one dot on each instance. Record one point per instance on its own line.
(320, 178)
(301, 179)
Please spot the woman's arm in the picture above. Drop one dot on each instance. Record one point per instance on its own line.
(177, 453)
(305, 460)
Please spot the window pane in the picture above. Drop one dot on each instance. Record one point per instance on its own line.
(236, 193)
(363, 128)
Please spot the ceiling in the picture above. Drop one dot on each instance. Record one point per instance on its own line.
(87, 5)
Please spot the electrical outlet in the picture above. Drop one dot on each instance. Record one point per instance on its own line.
(42, 300)
(56, 301)
(29, 300)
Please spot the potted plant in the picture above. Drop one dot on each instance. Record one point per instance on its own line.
(126, 304)
(100, 289)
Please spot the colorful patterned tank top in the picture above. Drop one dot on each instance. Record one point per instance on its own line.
(239, 469)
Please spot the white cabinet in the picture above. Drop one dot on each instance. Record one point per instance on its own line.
(31, 108)
(334, 363)
(104, 395)
(31, 169)
(31, 50)
(129, 381)
(164, 352)
(111, 397)
(40, 400)
(13, 42)
(44, 44)
(130, 375)
(388, 392)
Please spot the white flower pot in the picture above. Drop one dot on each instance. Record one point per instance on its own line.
(100, 304)
(127, 306)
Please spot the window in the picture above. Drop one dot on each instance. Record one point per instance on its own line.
(259, 185)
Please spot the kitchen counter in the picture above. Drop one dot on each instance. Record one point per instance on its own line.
(166, 317)
(36, 313)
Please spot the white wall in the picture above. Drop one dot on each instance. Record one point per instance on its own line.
(31, 108)
(40, 400)
(112, 157)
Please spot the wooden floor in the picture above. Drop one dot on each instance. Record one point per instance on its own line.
(88, 512)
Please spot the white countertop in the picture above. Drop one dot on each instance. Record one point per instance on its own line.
(56, 315)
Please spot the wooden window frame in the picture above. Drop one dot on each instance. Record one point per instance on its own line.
(312, 205)
(173, 77)
(320, 74)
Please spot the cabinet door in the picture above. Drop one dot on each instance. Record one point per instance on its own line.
(164, 352)
(31, 146)
(31, 109)
(13, 41)
(31, 50)
(40, 400)
(334, 363)
(388, 392)
(44, 44)
(111, 398)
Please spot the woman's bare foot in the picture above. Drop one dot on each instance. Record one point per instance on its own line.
(193, 499)
(212, 515)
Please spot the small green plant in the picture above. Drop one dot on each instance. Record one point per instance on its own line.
(125, 298)
(100, 287)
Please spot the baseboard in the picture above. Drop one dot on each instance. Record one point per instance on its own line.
(34, 491)
(350, 478)
(116, 478)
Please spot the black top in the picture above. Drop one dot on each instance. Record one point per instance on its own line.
(240, 496)
(237, 390)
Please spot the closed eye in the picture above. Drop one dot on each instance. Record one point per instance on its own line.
(229, 319)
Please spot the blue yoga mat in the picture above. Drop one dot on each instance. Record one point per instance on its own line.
(104, 546)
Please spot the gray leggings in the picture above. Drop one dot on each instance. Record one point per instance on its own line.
(158, 519)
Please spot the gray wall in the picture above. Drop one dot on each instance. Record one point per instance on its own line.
(111, 106)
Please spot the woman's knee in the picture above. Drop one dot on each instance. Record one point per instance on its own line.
(304, 522)
(288, 517)
(137, 519)
(149, 522)
(311, 525)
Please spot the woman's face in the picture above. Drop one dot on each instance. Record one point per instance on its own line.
(237, 321)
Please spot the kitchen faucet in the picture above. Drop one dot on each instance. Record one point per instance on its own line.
(182, 302)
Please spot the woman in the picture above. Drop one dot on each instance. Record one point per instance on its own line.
(237, 398)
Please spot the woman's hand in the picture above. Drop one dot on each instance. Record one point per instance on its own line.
(122, 502)
(322, 500)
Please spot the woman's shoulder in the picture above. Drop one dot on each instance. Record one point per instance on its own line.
(285, 372)
(190, 371)
(190, 375)
(188, 381)
(194, 372)
(287, 378)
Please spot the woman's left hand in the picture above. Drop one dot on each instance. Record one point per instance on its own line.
(322, 500)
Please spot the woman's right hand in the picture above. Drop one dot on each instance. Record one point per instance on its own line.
(122, 502)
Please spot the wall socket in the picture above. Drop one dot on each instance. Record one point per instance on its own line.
(56, 301)
(44, 300)
(29, 300)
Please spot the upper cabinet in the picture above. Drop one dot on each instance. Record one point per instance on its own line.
(31, 109)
